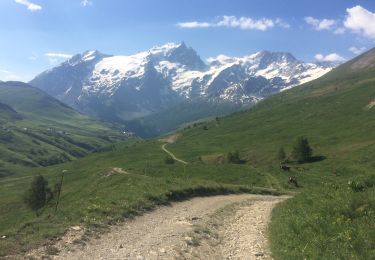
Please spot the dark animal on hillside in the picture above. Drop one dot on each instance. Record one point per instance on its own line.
(284, 167)
(293, 180)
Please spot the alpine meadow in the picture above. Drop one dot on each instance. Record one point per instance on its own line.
(175, 153)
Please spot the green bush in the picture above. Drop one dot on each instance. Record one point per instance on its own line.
(356, 186)
(38, 194)
(233, 157)
(362, 185)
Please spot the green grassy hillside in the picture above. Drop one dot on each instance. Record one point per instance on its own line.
(38, 130)
(326, 219)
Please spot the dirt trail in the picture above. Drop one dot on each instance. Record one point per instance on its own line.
(170, 140)
(169, 232)
(172, 155)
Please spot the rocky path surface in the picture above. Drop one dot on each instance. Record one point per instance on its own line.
(244, 236)
(219, 227)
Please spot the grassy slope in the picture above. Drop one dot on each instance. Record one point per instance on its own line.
(326, 220)
(36, 129)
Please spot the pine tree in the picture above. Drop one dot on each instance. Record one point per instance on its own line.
(36, 195)
(302, 151)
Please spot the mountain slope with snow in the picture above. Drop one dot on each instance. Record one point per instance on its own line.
(134, 86)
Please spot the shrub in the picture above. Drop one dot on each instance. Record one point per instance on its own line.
(302, 151)
(362, 185)
(356, 186)
(38, 194)
(233, 157)
(169, 160)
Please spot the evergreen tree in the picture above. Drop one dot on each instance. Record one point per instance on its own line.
(36, 196)
(302, 151)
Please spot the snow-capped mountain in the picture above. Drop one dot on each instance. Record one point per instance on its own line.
(137, 85)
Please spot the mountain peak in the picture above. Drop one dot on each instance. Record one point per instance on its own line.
(186, 56)
(86, 56)
(164, 49)
(90, 55)
(275, 56)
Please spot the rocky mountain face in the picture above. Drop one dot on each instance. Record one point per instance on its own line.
(135, 86)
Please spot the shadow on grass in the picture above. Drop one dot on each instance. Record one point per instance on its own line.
(317, 158)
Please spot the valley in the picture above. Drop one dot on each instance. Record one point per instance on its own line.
(330, 214)
(38, 130)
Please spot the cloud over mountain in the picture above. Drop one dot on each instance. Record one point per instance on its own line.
(244, 23)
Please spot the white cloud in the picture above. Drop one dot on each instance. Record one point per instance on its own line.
(86, 2)
(244, 23)
(319, 25)
(361, 21)
(194, 25)
(58, 55)
(55, 58)
(282, 23)
(30, 6)
(356, 50)
(333, 57)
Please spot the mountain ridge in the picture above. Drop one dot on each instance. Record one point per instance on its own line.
(128, 87)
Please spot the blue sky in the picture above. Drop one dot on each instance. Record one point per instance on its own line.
(39, 34)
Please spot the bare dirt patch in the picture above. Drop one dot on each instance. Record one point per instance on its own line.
(170, 139)
(113, 171)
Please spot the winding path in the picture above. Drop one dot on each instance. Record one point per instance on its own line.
(172, 155)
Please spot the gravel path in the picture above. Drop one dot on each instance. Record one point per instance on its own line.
(168, 232)
(172, 155)
(244, 236)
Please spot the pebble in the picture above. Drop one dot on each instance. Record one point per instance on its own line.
(76, 228)
(3, 237)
